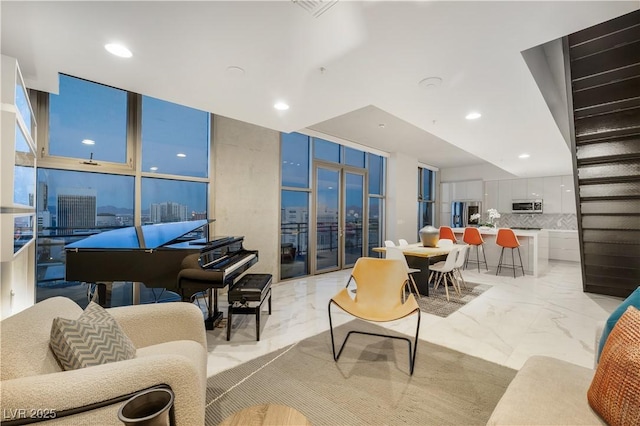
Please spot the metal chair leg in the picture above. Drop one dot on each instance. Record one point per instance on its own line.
(521, 265)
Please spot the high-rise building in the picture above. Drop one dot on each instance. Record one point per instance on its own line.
(76, 208)
(167, 212)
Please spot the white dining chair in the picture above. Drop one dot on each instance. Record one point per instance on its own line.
(389, 243)
(402, 242)
(444, 243)
(444, 270)
(457, 270)
(396, 253)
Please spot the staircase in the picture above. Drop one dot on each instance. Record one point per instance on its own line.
(603, 68)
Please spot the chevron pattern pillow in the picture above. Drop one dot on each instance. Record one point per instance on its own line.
(94, 338)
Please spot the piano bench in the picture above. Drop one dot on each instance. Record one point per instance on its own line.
(250, 288)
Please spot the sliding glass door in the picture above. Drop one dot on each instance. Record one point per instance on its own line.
(338, 217)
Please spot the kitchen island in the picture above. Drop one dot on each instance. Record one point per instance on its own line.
(534, 249)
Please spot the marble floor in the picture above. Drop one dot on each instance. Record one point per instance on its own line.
(514, 319)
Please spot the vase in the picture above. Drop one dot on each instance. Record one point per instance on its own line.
(429, 236)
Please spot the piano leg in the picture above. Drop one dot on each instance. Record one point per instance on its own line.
(104, 294)
(215, 316)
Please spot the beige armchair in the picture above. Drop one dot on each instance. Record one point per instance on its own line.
(171, 350)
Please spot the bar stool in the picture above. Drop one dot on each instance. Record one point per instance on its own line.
(506, 238)
(446, 233)
(472, 237)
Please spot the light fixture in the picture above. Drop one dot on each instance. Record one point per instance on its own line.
(281, 106)
(381, 125)
(153, 169)
(88, 142)
(430, 82)
(118, 50)
(181, 155)
(524, 155)
(473, 115)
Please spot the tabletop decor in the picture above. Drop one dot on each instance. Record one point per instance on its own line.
(492, 215)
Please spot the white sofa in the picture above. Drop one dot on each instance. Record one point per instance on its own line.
(548, 391)
(171, 350)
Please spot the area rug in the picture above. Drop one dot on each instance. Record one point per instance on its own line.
(369, 385)
(437, 303)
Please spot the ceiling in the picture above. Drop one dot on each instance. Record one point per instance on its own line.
(353, 72)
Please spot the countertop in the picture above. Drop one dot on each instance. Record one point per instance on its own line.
(518, 232)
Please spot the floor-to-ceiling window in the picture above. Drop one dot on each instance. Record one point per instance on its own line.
(112, 159)
(426, 197)
(294, 213)
(332, 204)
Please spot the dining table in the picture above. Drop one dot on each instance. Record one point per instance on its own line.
(420, 257)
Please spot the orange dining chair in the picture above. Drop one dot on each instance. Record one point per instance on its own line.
(472, 237)
(447, 233)
(506, 238)
(381, 284)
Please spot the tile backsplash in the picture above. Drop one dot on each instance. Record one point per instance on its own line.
(547, 221)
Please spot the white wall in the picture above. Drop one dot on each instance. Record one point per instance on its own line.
(247, 188)
(17, 282)
(402, 198)
(485, 171)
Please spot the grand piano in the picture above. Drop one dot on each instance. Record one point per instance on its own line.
(176, 256)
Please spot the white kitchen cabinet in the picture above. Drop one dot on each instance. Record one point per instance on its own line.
(519, 189)
(568, 197)
(475, 190)
(491, 195)
(445, 204)
(458, 191)
(552, 194)
(445, 192)
(564, 245)
(467, 190)
(535, 188)
(504, 196)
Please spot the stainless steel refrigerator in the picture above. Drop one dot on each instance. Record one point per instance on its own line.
(461, 212)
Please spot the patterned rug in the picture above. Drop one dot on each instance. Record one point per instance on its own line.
(369, 385)
(437, 303)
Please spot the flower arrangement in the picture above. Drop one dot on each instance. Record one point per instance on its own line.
(492, 215)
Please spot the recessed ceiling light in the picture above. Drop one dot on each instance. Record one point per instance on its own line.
(153, 169)
(281, 106)
(234, 70)
(525, 155)
(473, 115)
(118, 50)
(88, 142)
(430, 82)
(181, 155)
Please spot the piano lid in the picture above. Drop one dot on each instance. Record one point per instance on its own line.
(153, 236)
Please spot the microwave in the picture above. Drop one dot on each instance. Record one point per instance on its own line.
(526, 206)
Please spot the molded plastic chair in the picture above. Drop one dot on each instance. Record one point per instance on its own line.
(447, 233)
(457, 270)
(444, 243)
(402, 242)
(472, 237)
(389, 243)
(506, 238)
(396, 253)
(445, 271)
(380, 286)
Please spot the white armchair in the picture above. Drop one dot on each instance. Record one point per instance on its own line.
(171, 350)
